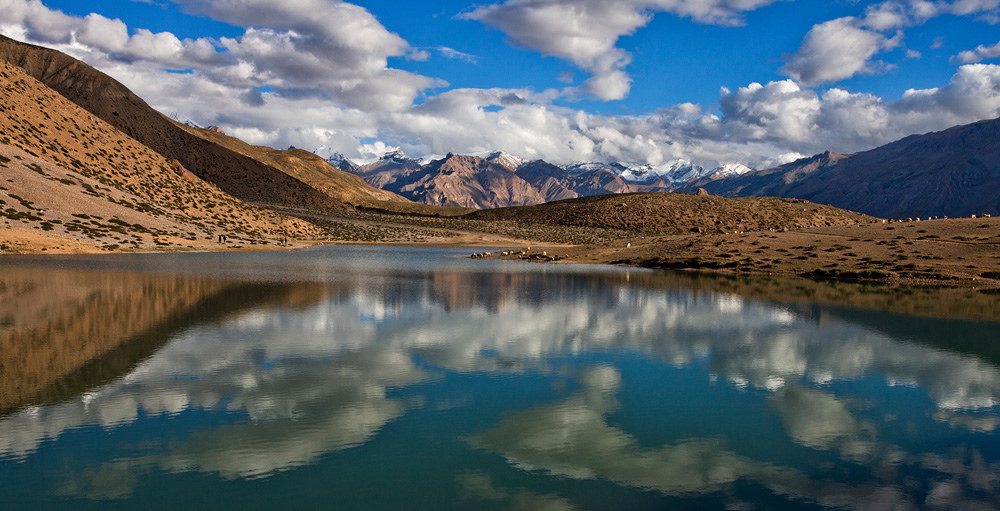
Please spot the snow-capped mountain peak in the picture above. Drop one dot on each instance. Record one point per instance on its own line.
(583, 167)
(674, 172)
(396, 154)
(394, 159)
(506, 159)
(342, 162)
(730, 170)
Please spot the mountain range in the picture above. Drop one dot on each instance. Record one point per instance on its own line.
(955, 172)
(501, 179)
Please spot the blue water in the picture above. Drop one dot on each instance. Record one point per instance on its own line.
(415, 378)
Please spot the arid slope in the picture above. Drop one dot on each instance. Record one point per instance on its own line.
(671, 213)
(102, 96)
(310, 169)
(69, 173)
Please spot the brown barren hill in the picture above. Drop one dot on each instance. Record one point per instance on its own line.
(672, 213)
(555, 183)
(234, 173)
(321, 175)
(70, 174)
(306, 167)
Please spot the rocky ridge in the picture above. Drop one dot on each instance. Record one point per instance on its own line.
(954, 172)
(396, 172)
(466, 181)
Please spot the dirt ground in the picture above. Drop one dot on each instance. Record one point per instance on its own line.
(952, 252)
(964, 251)
(947, 269)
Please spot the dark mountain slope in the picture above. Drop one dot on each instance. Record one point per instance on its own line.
(955, 172)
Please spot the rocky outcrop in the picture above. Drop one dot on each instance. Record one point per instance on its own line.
(465, 181)
(548, 179)
(387, 169)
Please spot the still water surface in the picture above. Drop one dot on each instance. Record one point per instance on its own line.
(412, 378)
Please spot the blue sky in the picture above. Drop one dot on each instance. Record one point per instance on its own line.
(710, 81)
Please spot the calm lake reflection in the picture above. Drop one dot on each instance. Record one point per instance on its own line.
(413, 378)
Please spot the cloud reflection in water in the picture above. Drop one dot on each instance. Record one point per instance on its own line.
(318, 376)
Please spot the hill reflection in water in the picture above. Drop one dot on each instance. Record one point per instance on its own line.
(407, 376)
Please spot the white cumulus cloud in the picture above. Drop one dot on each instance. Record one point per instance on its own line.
(807, 121)
(845, 47)
(837, 49)
(585, 32)
(291, 81)
(979, 54)
(290, 46)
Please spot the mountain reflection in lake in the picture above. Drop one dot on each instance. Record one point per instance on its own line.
(367, 377)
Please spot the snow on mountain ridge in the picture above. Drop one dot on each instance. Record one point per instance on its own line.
(675, 172)
(395, 154)
(342, 162)
(666, 176)
(730, 170)
(583, 167)
(672, 172)
(506, 159)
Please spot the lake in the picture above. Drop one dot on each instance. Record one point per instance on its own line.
(416, 378)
